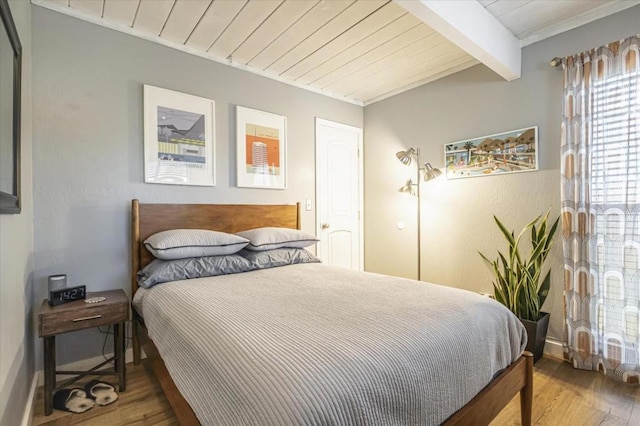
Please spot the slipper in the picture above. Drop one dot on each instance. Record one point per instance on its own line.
(73, 400)
(103, 393)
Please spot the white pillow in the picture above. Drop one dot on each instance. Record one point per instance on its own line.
(261, 239)
(183, 243)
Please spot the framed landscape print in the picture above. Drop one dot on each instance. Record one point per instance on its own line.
(179, 138)
(262, 141)
(514, 151)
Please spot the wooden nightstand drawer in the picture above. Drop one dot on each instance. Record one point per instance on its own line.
(79, 319)
(79, 315)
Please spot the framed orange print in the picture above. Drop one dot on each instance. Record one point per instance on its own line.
(261, 156)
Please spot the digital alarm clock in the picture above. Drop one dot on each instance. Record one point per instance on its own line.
(65, 295)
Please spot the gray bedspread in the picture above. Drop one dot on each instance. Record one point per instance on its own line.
(318, 345)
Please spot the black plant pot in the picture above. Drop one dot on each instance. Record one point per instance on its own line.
(537, 334)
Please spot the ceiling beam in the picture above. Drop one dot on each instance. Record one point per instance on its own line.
(472, 28)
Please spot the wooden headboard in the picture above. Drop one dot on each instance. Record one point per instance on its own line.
(147, 219)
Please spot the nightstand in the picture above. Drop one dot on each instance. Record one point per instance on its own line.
(78, 315)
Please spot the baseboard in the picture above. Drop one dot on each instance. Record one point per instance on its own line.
(85, 364)
(553, 348)
(27, 419)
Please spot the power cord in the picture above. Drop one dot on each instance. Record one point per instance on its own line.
(108, 333)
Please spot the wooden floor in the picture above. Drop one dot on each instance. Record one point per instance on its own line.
(565, 396)
(142, 404)
(562, 396)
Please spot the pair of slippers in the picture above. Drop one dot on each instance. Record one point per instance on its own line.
(78, 400)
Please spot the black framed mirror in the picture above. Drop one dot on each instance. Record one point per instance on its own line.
(10, 74)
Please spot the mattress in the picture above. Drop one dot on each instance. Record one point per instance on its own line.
(319, 345)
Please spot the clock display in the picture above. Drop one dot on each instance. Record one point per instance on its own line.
(70, 294)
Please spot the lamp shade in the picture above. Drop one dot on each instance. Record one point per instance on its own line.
(408, 188)
(430, 172)
(406, 156)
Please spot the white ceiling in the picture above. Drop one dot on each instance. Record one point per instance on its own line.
(360, 51)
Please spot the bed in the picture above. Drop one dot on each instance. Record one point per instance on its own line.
(300, 344)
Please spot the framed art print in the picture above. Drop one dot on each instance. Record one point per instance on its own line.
(262, 142)
(179, 138)
(514, 151)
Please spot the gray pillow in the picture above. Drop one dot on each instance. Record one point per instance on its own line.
(272, 238)
(278, 257)
(161, 271)
(186, 243)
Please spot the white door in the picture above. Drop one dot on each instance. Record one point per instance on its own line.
(339, 194)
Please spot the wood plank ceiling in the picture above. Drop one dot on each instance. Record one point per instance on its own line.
(534, 20)
(359, 51)
(354, 50)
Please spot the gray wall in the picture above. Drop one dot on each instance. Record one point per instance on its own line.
(16, 259)
(88, 147)
(457, 215)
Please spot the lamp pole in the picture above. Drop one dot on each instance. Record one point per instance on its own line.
(419, 214)
(406, 157)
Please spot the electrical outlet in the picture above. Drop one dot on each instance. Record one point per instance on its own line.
(307, 205)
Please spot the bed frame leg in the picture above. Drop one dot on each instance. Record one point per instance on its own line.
(136, 339)
(526, 394)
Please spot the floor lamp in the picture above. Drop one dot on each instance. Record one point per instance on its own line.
(412, 155)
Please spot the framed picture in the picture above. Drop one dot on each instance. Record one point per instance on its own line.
(514, 151)
(10, 87)
(262, 145)
(179, 138)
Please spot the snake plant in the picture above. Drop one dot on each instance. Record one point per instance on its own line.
(518, 284)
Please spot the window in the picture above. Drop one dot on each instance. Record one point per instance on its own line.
(615, 159)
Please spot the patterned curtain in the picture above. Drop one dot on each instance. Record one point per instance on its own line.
(601, 209)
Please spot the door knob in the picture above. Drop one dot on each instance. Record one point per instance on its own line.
(325, 226)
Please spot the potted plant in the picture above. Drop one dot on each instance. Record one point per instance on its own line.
(518, 279)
